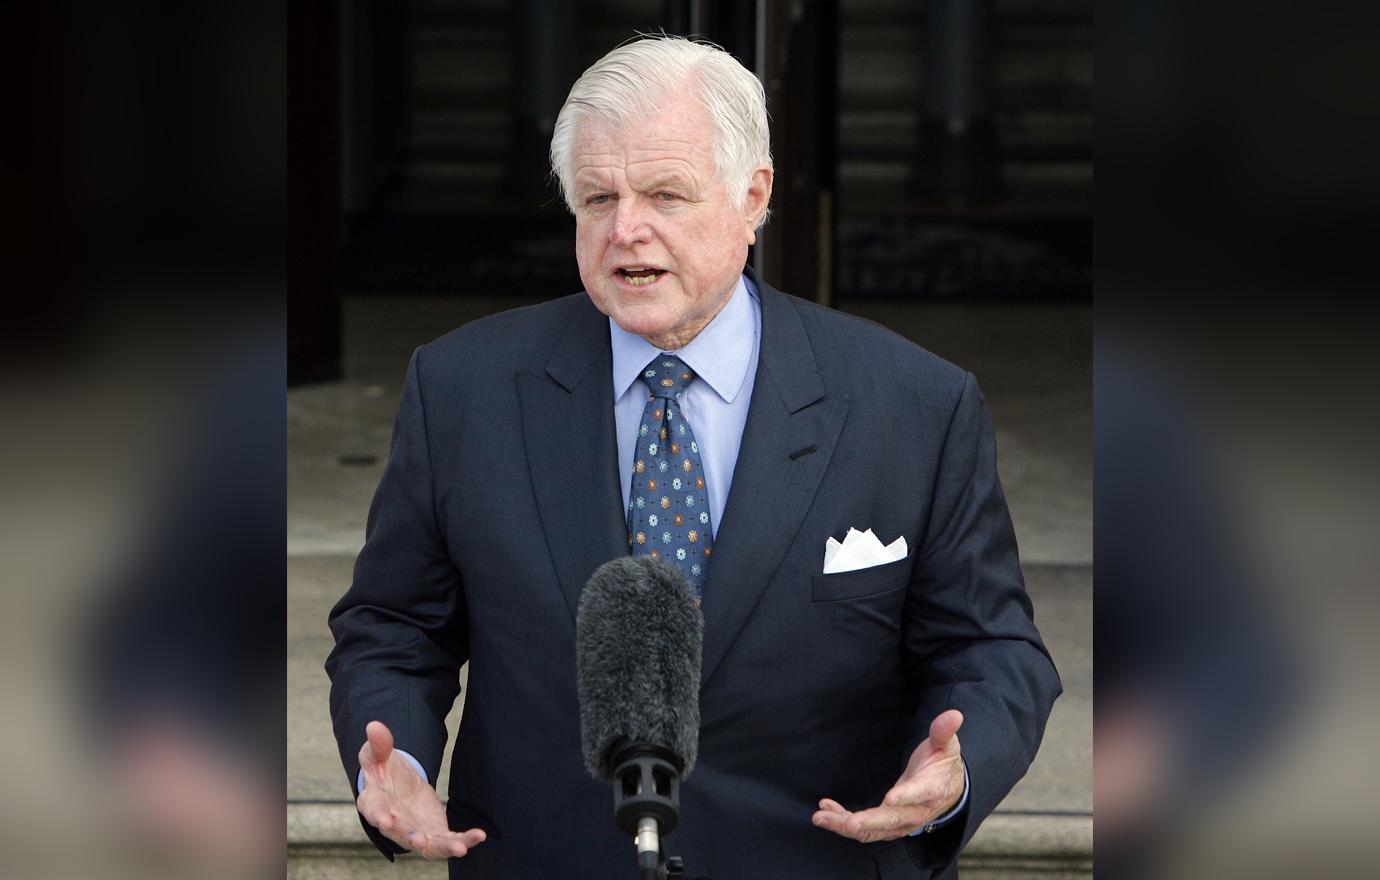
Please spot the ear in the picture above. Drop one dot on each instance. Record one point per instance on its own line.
(756, 201)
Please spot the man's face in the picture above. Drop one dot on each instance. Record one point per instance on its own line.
(659, 243)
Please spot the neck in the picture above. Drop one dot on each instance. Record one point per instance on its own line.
(682, 336)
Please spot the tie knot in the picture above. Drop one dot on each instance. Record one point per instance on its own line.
(667, 376)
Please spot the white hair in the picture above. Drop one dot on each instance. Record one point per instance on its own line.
(636, 79)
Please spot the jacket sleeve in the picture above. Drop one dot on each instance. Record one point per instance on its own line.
(401, 629)
(970, 637)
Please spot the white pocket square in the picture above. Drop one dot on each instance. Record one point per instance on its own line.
(860, 550)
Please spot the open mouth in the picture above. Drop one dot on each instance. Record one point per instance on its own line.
(639, 276)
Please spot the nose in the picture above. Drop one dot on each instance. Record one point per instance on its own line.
(628, 226)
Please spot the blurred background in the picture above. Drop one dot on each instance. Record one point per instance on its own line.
(933, 173)
(143, 359)
(935, 152)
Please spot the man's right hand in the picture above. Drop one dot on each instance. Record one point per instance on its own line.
(398, 801)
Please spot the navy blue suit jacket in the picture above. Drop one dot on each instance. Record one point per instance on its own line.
(501, 496)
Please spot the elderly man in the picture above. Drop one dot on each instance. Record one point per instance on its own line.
(681, 407)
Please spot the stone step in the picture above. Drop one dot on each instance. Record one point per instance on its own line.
(325, 842)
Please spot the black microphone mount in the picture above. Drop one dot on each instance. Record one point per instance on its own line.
(646, 804)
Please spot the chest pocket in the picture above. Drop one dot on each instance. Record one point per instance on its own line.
(862, 582)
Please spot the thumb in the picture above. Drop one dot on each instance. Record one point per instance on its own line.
(380, 741)
(944, 727)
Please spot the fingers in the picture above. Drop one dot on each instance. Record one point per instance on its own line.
(932, 784)
(443, 845)
(379, 741)
(428, 837)
(944, 727)
(868, 826)
(832, 816)
(889, 822)
(915, 793)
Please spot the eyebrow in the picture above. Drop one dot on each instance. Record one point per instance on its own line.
(586, 183)
(670, 179)
(590, 182)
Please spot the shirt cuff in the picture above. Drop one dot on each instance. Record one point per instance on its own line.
(958, 808)
(359, 780)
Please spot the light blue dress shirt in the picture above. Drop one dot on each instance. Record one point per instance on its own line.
(715, 405)
(724, 357)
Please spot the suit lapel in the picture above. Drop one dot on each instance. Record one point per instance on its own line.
(789, 412)
(568, 429)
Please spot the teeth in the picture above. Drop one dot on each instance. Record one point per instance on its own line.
(640, 281)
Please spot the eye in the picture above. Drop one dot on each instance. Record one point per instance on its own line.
(667, 196)
(598, 199)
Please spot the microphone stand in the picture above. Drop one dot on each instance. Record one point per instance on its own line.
(646, 804)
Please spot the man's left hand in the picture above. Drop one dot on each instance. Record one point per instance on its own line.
(930, 787)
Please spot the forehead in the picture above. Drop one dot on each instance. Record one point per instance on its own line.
(676, 139)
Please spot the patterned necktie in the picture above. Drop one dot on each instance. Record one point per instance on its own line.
(668, 509)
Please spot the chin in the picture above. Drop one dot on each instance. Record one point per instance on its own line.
(647, 316)
(643, 325)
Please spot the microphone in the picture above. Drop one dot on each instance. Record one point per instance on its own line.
(638, 642)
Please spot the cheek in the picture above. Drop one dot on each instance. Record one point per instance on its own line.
(588, 250)
(720, 248)
(584, 236)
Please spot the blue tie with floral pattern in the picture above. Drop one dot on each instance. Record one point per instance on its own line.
(668, 510)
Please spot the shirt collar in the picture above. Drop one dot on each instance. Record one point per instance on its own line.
(720, 354)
